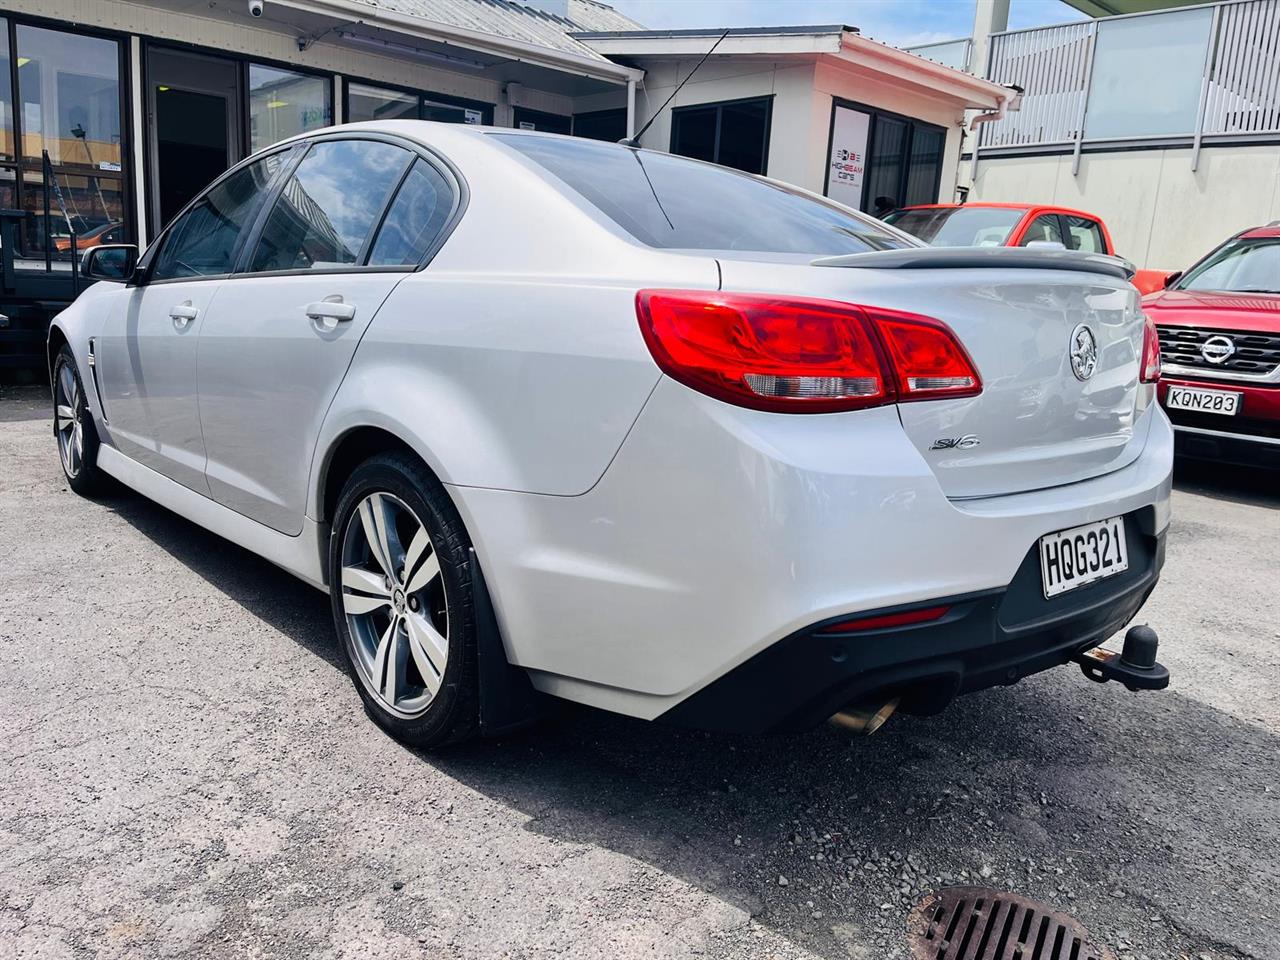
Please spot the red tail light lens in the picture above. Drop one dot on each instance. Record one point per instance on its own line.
(927, 357)
(1150, 372)
(798, 355)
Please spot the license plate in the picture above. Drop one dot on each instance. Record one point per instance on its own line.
(1084, 554)
(1202, 401)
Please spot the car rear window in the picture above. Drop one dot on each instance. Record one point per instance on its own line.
(675, 203)
(958, 226)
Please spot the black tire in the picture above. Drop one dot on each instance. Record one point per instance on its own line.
(81, 467)
(452, 715)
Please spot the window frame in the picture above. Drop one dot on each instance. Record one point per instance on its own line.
(485, 108)
(876, 113)
(19, 165)
(146, 266)
(446, 170)
(719, 106)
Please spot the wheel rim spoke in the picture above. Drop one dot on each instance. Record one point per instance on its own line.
(430, 651)
(373, 517)
(66, 417)
(384, 664)
(363, 591)
(428, 571)
(67, 382)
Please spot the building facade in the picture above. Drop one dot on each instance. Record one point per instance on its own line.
(1164, 121)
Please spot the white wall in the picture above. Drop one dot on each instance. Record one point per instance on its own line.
(1161, 215)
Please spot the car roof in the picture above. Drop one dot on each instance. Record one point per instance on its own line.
(1261, 233)
(1041, 207)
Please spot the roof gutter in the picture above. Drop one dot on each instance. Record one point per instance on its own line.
(974, 91)
(361, 13)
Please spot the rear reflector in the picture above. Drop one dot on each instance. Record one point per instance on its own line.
(886, 620)
(801, 355)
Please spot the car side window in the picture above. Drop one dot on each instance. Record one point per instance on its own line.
(1085, 234)
(1045, 229)
(327, 211)
(417, 215)
(202, 241)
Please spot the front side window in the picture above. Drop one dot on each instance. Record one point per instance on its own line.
(1238, 266)
(958, 226)
(1044, 229)
(666, 201)
(330, 206)
(203, 241)
(416, 217)
(283, 103)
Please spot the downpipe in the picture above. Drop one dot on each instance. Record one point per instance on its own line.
(865, 718)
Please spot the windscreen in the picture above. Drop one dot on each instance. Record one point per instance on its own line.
(958, 226)
(1238, 266)
(675, 203)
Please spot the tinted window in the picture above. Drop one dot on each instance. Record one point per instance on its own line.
(1239, 266)
(958, 226)
(416, 217)
(202, 242)
(1085, 234)
(330, 206)
(734, 134)
(666, 201)
(1043, 230)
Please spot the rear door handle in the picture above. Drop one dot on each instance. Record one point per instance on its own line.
(183, 313)
(331, 311)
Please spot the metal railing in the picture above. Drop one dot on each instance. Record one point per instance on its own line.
(949, 53)
(1147, 68)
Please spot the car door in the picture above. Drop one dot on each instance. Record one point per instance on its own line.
(146, 358)
(276, 347)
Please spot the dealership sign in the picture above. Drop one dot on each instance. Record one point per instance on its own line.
(848, 159)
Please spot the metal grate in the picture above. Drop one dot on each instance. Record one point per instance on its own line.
(1052, 66)
(1254, 353)
(977, 923)
(1244, 79)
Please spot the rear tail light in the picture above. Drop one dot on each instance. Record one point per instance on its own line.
(1150, 372)
(798, 355)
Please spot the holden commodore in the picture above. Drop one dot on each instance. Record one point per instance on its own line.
(547, 416)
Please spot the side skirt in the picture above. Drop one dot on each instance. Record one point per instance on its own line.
(298, 555)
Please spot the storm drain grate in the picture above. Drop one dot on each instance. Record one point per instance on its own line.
(976, 923)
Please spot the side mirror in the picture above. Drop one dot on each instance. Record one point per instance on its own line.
(109, 261)
(1171, 279)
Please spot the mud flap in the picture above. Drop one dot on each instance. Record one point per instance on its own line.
(508, 700)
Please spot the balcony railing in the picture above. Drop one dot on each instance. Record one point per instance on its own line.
(1190, 74)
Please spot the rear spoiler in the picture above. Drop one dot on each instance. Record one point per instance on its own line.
(969, 258)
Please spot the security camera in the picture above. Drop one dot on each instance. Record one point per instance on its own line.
(255, 8)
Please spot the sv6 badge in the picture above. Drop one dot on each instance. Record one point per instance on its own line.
(956, 443)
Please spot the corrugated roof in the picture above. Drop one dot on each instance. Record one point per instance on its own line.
(516, 21)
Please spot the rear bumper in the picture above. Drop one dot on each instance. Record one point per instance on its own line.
(1250, 438)
(992, 638)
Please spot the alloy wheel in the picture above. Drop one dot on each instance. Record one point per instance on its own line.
(395, 604)
(66, 421)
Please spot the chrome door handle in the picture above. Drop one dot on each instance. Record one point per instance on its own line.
(183, 313)
(330, 311)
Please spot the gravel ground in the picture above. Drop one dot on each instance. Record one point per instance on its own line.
(187, 772)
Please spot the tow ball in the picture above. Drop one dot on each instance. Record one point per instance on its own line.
(1135, 665)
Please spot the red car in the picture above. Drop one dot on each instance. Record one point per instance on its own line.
(981, 224)
(1219, 326)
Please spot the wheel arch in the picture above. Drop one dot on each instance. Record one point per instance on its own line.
(56, 341)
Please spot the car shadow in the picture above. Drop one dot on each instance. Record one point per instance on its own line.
(1254, 486)
(1123, 809)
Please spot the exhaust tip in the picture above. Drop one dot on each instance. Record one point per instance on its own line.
(865, 719)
